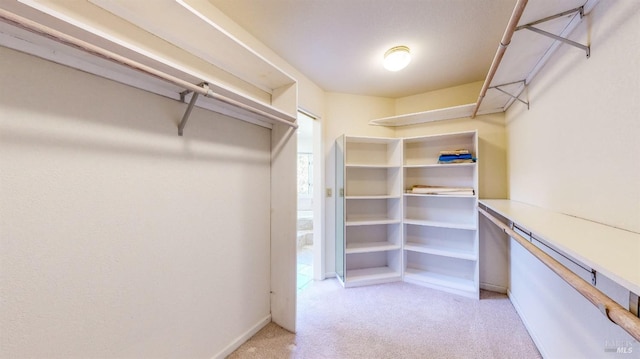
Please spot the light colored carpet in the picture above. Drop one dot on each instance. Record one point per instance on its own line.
(395, 320)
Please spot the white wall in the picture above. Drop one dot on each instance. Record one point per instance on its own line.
(117, 237)
(576, 150)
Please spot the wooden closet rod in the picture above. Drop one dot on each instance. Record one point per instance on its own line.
(63, 38)
(610, 308)
(497, 58)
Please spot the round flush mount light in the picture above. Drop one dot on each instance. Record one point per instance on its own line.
(397, 58)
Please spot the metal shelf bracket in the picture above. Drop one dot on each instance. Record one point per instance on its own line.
(192, 103)
(515, 97)
(183, 95)
(530, 27)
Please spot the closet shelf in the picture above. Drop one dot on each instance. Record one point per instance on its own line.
(444, 251)
(440, 114)
(368, 247)
(441, 224)
(364, 165)
(439, 195)
(427, 277)
(548, 25)
(151, 56)
(617, 257)
(428, 165)
(371, 275)
(371, 222)
(373, 197)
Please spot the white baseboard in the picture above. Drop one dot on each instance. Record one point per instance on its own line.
(533, 336)
(243, 338)
(493, 288)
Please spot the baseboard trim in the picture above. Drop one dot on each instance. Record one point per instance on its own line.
(533, 336)
(493, 288)
(235, 344)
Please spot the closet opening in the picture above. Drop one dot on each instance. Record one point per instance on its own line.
(308, 237)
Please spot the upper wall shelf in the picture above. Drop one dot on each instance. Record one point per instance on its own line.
(240, 83)
(543, 27)
(447, 113)
(528, 51)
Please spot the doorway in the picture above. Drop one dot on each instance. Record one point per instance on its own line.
(309, 209)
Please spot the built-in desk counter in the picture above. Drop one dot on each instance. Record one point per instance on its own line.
(610, 251)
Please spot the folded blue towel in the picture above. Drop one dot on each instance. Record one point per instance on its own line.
(455, 157)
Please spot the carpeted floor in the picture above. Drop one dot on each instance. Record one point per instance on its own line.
(396, 320)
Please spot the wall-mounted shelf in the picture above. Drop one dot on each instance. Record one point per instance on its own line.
(114, 40)
(541, 29)
(426, 116)
(617, 258)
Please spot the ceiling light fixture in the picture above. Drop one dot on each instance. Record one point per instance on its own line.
(397, 58)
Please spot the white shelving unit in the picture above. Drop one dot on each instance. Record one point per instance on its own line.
(370, 250)
(384, 233)
(440, 232)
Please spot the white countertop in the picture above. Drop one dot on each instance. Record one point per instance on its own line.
(613, 252)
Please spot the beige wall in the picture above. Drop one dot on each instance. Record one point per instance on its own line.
(119, 238)
(432, 100)
(576, 150)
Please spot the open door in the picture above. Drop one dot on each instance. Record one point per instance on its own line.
(340, 203)
(283, 226)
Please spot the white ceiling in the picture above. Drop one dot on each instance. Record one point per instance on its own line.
(339, 44)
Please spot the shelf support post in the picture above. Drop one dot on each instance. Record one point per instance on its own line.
(183, 95)
(497, 87)
(187, 113)
(194, 98)
(634, 304)
(530, 27)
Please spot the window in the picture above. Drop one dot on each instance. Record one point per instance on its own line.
(305, 174)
